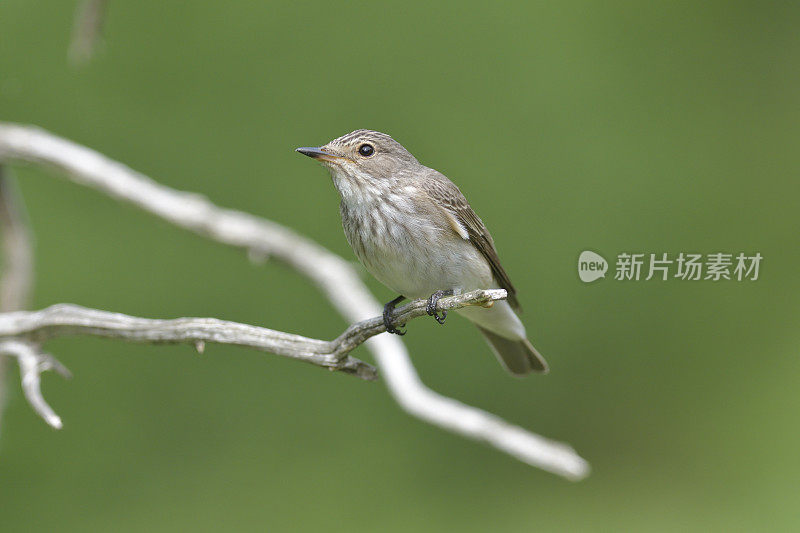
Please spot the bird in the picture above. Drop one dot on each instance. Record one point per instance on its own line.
(415, 232)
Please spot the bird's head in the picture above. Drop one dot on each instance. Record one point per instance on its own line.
(364, 156)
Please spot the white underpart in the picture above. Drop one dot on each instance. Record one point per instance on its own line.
(413, 255)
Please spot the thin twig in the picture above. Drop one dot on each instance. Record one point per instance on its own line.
(87, 31)
(69, 320)
(16, 275)
(334, 276)
(32, 362)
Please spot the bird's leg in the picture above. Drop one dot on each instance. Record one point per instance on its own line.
(388, 309)
(433, 300)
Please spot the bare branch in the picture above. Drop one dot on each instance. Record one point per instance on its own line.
(31, 364)
(359, 332)
(87, 31)
(334, 276)
(62, 320)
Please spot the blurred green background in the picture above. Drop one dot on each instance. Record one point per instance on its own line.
(611, 126)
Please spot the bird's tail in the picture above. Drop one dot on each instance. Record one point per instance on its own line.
(518, 356)
(506, 335)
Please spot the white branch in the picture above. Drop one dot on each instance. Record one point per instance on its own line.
(332, 275)
(32, 363)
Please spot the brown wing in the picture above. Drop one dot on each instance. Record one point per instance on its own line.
(448, 197)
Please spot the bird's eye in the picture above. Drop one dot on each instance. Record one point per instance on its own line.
(366, 150)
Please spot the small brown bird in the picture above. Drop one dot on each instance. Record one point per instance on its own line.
(415, 232)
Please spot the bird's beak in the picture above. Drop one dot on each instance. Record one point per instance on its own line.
(317, 153)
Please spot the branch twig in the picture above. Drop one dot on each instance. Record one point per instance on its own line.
(15, 292)
(16, 276)
(32, 362)
(68, 320)
(334, 276)
(87, 31)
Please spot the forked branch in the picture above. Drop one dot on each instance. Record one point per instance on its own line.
(35, 327)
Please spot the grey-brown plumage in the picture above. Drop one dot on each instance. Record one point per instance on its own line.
(414, 230)
(445, 193)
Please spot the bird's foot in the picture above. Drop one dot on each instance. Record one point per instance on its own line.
(388, 309)
(433, 300)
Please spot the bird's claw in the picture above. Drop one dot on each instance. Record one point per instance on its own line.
(387, 317)
(431, 307)
(391, 329)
